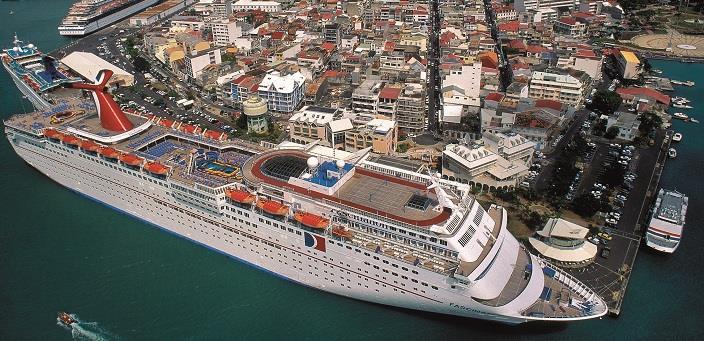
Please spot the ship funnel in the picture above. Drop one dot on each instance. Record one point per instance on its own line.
(111, 117)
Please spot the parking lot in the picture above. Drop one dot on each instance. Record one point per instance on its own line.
(155, 92)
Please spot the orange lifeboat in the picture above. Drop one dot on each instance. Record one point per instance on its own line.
(90, 146)
(342, 232)
(52, 134)
(311, 220)
(70, 139)
(156, 168)
(131, 159)
(109, 152)
(272, 207)
(242, 197)
(166, 123)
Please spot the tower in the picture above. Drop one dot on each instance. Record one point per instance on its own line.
(255, 109)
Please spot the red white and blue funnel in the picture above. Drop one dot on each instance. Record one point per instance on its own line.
(111, 117)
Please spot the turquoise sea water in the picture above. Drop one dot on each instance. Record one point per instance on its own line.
(128, 280)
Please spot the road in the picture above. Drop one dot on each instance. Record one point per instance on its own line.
(543, 178)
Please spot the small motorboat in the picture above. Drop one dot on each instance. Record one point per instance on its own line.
(680, 115)
(688, 83)
(693, 120)
(672, 153)
(66, 319)
(677, 137)
(682, 106)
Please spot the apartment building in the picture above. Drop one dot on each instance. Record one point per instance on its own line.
(249, 5)
(411, 109)
(310, 124)
(629, 64)
(560, 87)
(197, 61)
(225, 31)
(379, 134)
(527, 5)
(283, 93)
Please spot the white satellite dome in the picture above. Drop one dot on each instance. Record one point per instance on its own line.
(15, 49)
(312, 162)
(31, 46)
(340, 164)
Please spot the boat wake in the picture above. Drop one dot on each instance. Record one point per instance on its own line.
(88, 331)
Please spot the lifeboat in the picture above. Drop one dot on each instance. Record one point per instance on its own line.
(213, 134)
(166, 123)
(242, 197)
(109, 153)
(70, 139)
(272, 207)
(52, 134)
(90, 146)
(311, 220)
(156, 168)
(342, 232)
(131, 159)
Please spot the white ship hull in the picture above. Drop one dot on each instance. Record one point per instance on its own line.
(661, 244)
(37, 100)
(78, 31)
(278, 247)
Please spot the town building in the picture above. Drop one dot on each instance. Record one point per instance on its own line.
(498, 161)
(197, 61)
(560, 87)
(628, 64)
(283, 93)
(225, 31)
(250, 5)
(627, 124)
(564, 242)
(379, 134)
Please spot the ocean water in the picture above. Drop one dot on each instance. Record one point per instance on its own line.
(125, 279)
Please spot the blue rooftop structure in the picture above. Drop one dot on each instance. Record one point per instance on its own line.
(327, 174)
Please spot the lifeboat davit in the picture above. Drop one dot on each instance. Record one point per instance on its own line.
(342, 232)
(272, 207)
(109, 153)
(242, 197)
(131, 159)
(156, 168)
(311, 220)
(90, 146)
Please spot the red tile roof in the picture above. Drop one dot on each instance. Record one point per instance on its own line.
(548, 103)
(645, 92)
(494, 96)
(390, 93)
(511, 26)
(568, 21)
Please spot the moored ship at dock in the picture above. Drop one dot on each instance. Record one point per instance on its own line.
(667, 221)
(335, 221)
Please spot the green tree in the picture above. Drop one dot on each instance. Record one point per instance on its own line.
(586, 205)
(242, 121)
(648, 122)
(611, 133)
(141, 64)
(605, 101)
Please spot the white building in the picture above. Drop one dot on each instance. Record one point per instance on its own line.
(564, 242)
(526, 5)
(196, 62)
(466, 77)
(498, 161)
(248, 5)
(627, 124)
(225, 31)
(282, 93)
(583, 60)
(563, 88)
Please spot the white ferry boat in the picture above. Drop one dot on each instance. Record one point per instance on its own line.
(666, 224)
(345, 223)
(87, 16)
(34, 73)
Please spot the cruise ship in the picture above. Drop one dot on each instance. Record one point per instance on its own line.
(666, 224)
(352, 224)
(87, 16)
(34, 73)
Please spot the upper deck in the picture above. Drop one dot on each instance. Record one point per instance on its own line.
(376, 193)
(193, 155)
